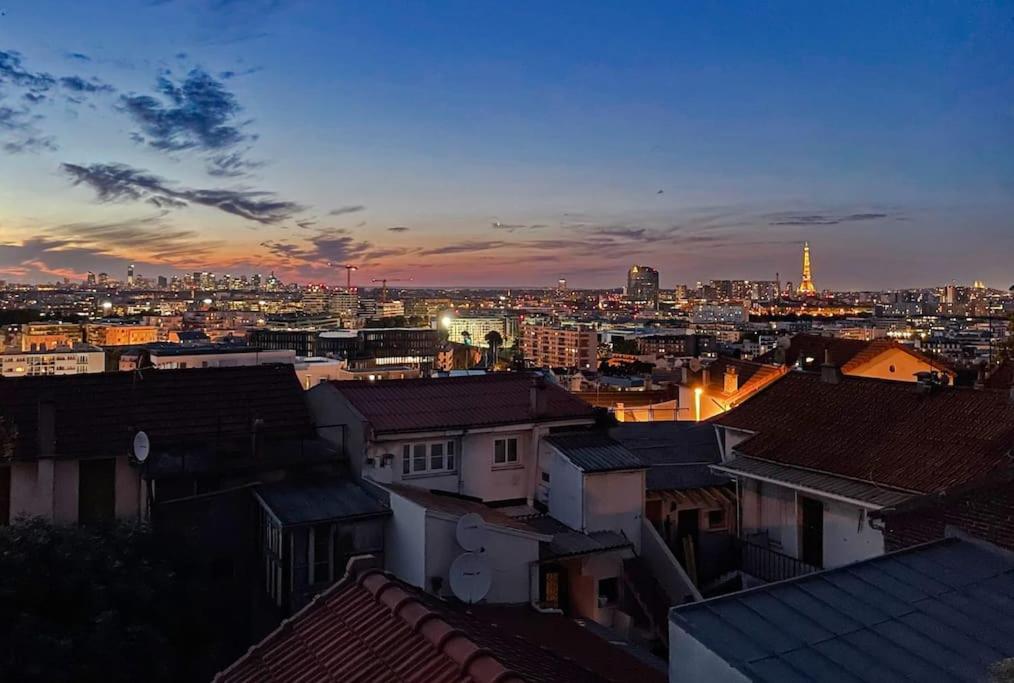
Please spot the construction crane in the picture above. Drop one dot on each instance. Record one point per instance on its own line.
(348, 273)
(383, 281)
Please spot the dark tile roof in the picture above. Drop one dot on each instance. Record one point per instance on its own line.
(1002, 376)
(97, 414)
(456, 505)
(459, 402)
(678, 453)
(595, 452)
(895, 434)
(751, 376)
(375, 628)
(567, 542)
(932, 613)
(304, 501)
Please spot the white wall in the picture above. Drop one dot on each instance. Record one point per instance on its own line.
(845, 539)
(405, 542)
(691, 662)
(614, 501)
(509, 556)
(774, 509)
(566, 484)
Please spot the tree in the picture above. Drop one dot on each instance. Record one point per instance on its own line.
(495, 341)
(102, 603)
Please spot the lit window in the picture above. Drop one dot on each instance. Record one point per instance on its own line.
(505, 451)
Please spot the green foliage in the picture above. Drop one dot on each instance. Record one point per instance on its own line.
(102, 603)
(628, 346)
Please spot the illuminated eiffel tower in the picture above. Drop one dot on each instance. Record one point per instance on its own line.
(806, 285)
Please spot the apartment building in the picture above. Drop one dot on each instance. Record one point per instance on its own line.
(560, 347)
(66, 360)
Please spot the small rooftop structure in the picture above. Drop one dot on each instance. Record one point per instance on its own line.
(294, 502)
(934, 612)
(595, 452)
(678, 454)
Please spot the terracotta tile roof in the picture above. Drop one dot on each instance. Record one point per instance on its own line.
(888, 433)
(459, 402)
(985, 511)
(457, 505)
(97, 414)
(751, 376)
(846, 354)
(375, 629)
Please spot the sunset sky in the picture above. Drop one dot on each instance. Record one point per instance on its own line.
(509, 143)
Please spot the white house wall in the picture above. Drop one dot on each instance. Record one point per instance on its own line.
(565, 492)
(614, 501)
(405, 542)
(847, 537)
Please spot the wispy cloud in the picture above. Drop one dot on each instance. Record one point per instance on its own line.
(342, 210)
(330, 246)
(802, 219)
(119, 182)
(398, 228)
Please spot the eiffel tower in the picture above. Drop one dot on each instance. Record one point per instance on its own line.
(806, 284)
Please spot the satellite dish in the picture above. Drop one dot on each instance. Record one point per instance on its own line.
(142, 446)
(471, 577)
(471, 532)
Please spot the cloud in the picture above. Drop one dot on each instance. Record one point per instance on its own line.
(465, 247)
(231, 165)
(511, 227)
(78, 84)
(793, 219)
(331, 246)
(197, 112)
(342, 210)
(13, 72)
(77, 57)
(119, 182)
(31, 145)
(398, 228)
(21, 133)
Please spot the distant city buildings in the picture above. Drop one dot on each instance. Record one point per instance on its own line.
(559, 347)
(67, 360)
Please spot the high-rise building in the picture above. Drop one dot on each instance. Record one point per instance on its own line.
(103, 279)
(130, 275)
(642, 285)
(806, 284)
(90, 280)
(162, 282)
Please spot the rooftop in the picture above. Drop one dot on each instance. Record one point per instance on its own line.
(595, 452)
(305, 501)
(894, 434)
(807, 351)
(98, 413)
(751, 377)
(371, 627)
(457, 505)
(934, 612)
(678, 453)
(460, 402)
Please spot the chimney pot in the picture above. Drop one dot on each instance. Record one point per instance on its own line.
(828, 372)
(731, 380)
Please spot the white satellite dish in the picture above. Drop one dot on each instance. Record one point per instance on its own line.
(471, 532)
(471, 577)
(142, 446)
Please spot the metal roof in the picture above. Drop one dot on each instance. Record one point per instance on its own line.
(595, 452)
(938, 612)
(300, 501)
(678, 453)
(870, 495)
(568, 543)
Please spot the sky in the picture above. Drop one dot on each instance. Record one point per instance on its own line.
(509, 144)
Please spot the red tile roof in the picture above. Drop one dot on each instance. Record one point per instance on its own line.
(97, 414)
(887, 433)
(846, 354)
(751, 376)
(459, 402)
(373, 628)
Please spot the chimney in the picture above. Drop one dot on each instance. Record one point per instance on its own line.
(47, 428)
(980, 377)
(537, 396)
(705, 377)
(779, 355)
(255, 440)
(828, 372)
(731, 380)
(684, 374)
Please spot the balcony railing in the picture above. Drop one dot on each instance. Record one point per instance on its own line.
(769, 565)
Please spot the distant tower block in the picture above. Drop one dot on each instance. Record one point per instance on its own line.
(806, 284)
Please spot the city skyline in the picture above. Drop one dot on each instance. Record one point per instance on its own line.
(509, 148)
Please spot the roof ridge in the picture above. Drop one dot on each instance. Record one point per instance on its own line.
(477, 662)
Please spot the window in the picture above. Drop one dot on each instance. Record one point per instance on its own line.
(545, 477)
(505, 452)
(716, 519)
(320, 553)
(609, 591)
(427, 458)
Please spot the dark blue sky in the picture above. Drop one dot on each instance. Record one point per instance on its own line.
(509, 143)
